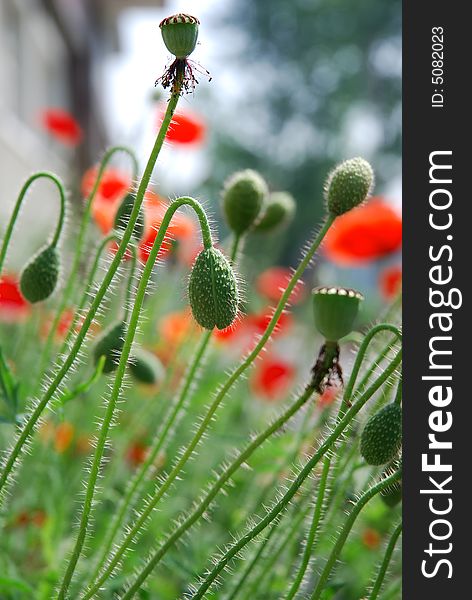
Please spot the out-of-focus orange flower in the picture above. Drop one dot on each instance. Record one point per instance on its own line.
(175, 327)
(83, 444)
(114, 183)
(328, 396)
(272, 283)
(62, 126)
(13, 307)
(371, 538)
(363, 234)
(186, 128)
(62, 327)
(182, 228)
(38, 517)
(258, 322)
(272, 378)
(63, 437)
(390, 282)
(136, 454)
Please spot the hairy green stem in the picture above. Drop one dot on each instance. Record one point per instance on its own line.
(310, 540)
(282, 504)
(120, 372)
(18, 204)
(81, 239)
(342, 537)
(31, 422)
(385, 563)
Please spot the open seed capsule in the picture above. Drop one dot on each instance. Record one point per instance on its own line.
(382, 435)
(123, 215)
(145, 367)
(279, 211)
(40, 276)
(348, 185)
(180, 34)
(244, 195)
(335, 310)
(110, 344)
(213, 290)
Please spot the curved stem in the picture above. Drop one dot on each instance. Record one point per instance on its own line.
(202, 505)
(86, 385)
(336, 551)
(19, 202)
(69, 287)
(385, 562)
(117, 385)
(312, 532)
(30, 424)
(282, 504)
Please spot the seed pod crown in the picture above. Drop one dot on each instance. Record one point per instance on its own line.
(244, 195)
(335, 311)
(180, 34)
(382, 435)
(109, 344)
(348, 185)
(40, 276)
(213, 290)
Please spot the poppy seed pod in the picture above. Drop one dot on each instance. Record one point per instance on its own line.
(279, 211)
(348, 185)
(109, 344)
(382, 435)
(180, 34)
(213, 290)
(145, 367)
(335, 310)
(244, 195)
(40, 276)
(123, 215)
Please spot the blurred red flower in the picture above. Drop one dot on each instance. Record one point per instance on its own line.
(13, 307)
(328, 396)
(114, 183)
(366, 233)
(186, 128)
(63, 437)
(136, 454)
(390, 282)
(176, 326)
(272, 283)
(371, 538)
(62, 125)
(272, 378)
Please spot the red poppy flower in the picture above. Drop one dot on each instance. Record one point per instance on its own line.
(63, 437)
(371, 539)
(114, 183)
(13, 307)
(328, 396)
(272, 378)
(136, 454)
(62, 126)
(175, 327)
(186, 128)
(366, 233)
(390, 282)
(181, 228)
(62, 327)
(272, 283)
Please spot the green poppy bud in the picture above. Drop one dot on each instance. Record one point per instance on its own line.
(145, 367)
(244, 195)
(348, 185)
(279, 211)
(123, 215)
(40, 276)
(110, 344)
(382, 435)
(335, 310)
(213, 290)
(180, 34)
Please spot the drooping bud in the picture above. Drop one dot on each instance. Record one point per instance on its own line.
(145, 367)
(123, 215)
(110, 344)
(382, 435)
(279, 211)
(213, 290)
(40, 276)
(244, 195)
(348, 185)
(335, 310)
(180, 34)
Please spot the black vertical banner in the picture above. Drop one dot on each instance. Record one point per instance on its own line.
(437, 199)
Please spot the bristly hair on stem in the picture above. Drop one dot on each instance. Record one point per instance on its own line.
(181, 72)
